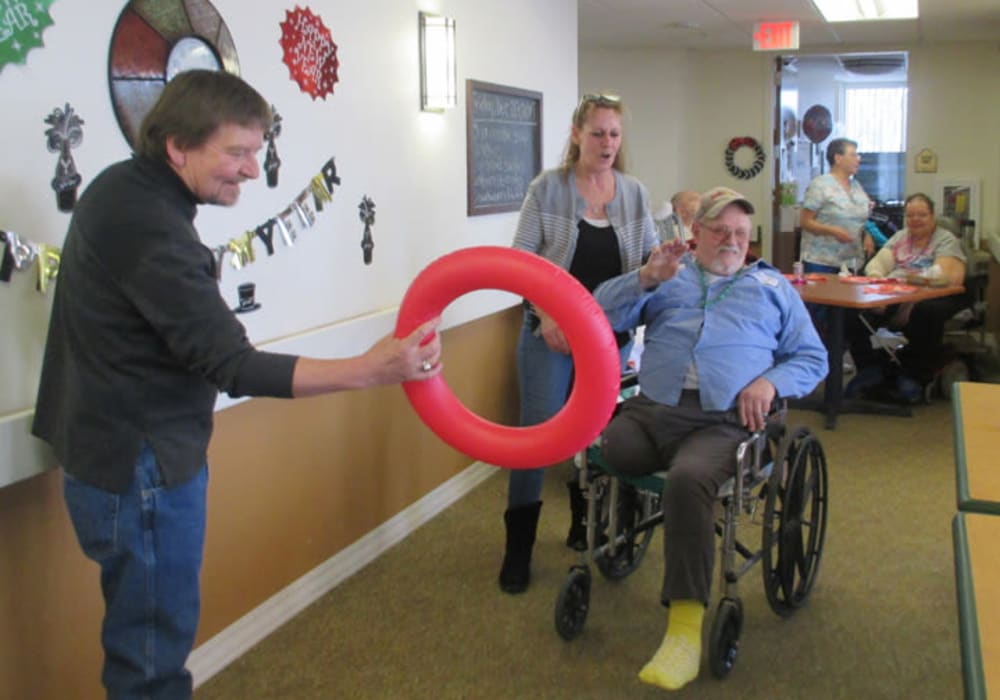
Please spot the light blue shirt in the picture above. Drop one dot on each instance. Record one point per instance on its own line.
(837, 207)
(758, 327)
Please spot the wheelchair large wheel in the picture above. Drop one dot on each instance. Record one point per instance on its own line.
(794, 521)
(634, 507)
(573, 603)
(724, 642)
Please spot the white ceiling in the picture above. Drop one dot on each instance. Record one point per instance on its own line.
(728, 24)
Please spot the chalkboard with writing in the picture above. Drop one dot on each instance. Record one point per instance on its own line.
(503, 145)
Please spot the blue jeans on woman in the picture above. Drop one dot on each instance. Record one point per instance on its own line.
(148, 542)
(544, 379)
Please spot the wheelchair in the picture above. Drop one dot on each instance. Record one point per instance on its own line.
(781, 472)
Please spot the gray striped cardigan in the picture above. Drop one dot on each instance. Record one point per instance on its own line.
(553, 208)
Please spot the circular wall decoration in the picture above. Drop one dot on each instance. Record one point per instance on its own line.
(153, 41)
(817, 123)
(734, 146)
(595, 357)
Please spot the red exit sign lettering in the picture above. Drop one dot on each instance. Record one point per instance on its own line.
(775, 36)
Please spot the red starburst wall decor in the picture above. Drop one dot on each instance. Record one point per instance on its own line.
(309, 52)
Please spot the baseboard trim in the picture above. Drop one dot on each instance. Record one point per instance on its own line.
(228, 645)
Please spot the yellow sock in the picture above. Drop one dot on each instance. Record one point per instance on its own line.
(675, 663)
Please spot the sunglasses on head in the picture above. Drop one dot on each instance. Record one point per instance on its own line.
(602, 100)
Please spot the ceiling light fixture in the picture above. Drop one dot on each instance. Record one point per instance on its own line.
(861, 10)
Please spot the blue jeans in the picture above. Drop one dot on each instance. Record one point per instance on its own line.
(817, 267)
(544, 379)
(818, 312)
(148, 542)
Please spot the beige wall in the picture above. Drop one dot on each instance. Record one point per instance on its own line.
(292, 483)
(954, 99)
(412, 164)
(685, 105)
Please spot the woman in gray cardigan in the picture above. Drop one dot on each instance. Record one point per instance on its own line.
(590, 218)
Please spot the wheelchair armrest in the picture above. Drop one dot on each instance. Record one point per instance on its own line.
(752, 463)
(628, 380)
(757, 441)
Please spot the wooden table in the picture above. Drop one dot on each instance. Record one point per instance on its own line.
(977, 578)
(840, 296)
(976, 414)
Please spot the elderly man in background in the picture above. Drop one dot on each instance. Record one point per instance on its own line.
(723, 340)
(677, 224)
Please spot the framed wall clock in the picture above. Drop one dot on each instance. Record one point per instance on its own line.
(153, 41)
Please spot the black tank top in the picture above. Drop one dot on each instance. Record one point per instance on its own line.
(597, 259)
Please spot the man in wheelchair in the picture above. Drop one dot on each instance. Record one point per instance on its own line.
(723, 340)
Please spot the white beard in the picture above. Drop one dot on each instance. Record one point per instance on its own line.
(718, 267)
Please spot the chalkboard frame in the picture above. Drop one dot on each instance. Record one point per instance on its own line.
(477, 86)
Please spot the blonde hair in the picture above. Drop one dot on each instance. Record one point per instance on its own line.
(588, 103)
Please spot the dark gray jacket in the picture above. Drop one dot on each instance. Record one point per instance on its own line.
(140, 341)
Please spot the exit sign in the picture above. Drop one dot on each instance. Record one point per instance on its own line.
(775, 36)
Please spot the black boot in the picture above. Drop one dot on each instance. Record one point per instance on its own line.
(577, 537)
(521, 522)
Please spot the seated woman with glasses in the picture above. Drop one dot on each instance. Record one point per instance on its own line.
(924, 250)
(590, 218)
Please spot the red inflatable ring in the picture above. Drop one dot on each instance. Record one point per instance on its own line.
(595, 357)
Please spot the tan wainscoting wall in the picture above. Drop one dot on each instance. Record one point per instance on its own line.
(291, 484)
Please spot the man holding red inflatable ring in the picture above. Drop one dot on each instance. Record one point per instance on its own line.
(723, 340)
(140, 343)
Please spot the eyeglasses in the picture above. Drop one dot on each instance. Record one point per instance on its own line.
(721, 233)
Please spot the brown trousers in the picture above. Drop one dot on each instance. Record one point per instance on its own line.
(697, 449)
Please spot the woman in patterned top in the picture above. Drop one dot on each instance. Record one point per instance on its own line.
(834, 212)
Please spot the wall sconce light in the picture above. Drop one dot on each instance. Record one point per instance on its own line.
(438, 81)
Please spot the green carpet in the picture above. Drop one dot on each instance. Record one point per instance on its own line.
(427, 620)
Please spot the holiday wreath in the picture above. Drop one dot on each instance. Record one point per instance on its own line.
(758, 159)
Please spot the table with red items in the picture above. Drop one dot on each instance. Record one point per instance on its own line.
(855, 293)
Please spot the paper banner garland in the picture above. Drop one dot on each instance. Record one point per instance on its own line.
(19, 254)
(48, 265)
(21, 27)
(65, 132)
(6, 259)
(298, 216)
(309, 52)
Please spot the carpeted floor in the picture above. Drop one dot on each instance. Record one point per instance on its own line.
(427, 619)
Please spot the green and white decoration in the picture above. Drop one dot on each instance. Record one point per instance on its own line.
(21, 25)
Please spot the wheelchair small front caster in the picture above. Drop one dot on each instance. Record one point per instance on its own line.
(573, 603)
(724, 642)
